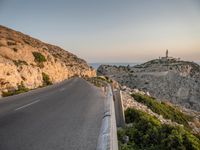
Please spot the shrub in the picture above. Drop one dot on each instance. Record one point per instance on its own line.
(46, 79)
(104, 78)
(146, 132)
(20, 62)
(95, 81)
(20, 89)
(163, 109)
(39, 57)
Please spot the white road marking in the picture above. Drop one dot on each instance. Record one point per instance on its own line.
(27, 105)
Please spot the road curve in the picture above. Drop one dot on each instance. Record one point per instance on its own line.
(65, 116)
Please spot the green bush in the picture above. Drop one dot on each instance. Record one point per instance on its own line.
(39, 57)
(20, 62)
(46, 79)
(161, 108)
(147, 133)
(95, 81)
(20, 89)
(104, 78)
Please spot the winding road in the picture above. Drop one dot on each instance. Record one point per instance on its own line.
(64, 116)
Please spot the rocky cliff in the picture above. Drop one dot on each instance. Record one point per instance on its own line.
(166, 79)
(28, 61)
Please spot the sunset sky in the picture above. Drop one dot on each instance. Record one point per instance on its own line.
(110, 30)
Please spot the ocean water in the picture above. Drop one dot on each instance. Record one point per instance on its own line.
(96, 65)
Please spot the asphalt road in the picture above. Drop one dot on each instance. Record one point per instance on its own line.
(65, 116)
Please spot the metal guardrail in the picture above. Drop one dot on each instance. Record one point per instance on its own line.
(108, 134)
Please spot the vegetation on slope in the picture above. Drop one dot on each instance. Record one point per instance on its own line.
(39, 57)
(104, 78)
(162, 108)
(20, 62)
(46, 79)
(99, 81)
(146, 132)
(20, 89)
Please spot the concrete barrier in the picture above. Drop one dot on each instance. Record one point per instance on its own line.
(108, 134)
(119, 109)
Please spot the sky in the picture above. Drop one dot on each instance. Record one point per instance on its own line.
(110, 30)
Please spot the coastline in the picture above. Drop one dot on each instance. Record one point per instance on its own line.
(96, 65)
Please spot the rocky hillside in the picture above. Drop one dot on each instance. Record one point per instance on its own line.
(166, 79)
(152, 124)
(29, 62)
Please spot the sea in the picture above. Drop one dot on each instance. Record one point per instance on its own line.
(96, 65)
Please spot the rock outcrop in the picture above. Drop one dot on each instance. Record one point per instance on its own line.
(166, 79)
(130, 102)
(25, 60)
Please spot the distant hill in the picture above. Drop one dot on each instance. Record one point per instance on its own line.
(30, 63)
(167, 78)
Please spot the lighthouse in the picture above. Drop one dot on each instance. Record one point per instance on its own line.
(167, 53)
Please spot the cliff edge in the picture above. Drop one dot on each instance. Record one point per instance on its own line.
(167, 79)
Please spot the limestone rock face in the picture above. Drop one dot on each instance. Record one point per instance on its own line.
(19, 65)
(173, 80)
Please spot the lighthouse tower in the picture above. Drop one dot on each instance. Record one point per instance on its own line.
(167, 53)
